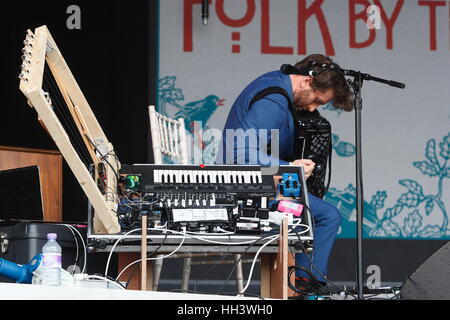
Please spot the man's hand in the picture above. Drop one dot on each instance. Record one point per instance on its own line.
(308, 165)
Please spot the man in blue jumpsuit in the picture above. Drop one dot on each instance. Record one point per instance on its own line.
(271, 115)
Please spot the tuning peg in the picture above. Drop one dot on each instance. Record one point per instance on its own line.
(30, 34)
(26, 51)
(47, 97)
(28, 42)
(22, 76)
(25, 63)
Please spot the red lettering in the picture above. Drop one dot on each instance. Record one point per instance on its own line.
(432, 14)
(304, 13)
(265, 33)
(389, 22)
(359, 16)
(235, 23)
(187, 23)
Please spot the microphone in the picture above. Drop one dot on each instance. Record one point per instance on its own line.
(303, 71)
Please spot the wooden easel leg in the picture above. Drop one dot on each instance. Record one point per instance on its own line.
(274, 268)
(144, 253)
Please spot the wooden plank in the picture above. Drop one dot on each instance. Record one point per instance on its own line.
(109, 221)
(125, 258)
(266, 273)
(30, 150)
(144, 252)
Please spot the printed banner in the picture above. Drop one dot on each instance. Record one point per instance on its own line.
(405, 132)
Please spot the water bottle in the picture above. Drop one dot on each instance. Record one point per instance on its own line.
(51, 262)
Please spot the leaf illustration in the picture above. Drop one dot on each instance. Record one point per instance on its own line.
(430, 152)
(377, 233)
(334, 139)
(445, 147)
(409, 199)
(350, 189)
(412, 223)
(167, 91)
(391, 229)
(412, 186)
(447, 172)
(426, 168)
(429, 206)
(378, 199)
(345, 149)
(430, 231)
(392, 212)
(166, 83)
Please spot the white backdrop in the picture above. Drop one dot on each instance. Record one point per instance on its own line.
(406, 133)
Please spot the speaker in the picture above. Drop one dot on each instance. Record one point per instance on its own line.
(431, 280)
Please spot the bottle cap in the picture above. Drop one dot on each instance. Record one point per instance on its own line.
(51, 236)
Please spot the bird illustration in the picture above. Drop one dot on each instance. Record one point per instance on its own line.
(199, 111)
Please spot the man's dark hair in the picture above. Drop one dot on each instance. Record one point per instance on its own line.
(330, 79)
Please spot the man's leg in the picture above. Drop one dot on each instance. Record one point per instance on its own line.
(327, 220)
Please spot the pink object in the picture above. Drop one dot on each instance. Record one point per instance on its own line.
(290, 207)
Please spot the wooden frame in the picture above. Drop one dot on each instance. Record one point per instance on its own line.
(40, 48)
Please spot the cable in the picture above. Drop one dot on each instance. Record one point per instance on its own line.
(292, 269)
(235, 265)
(114, 246)
(242, 254)
(213, 266)
(118, 285)
(320, 273)
(254, 262)
(103, 157)
(148, 256)
(259, 251)
(147, 259)
(78, 249)
(84, 244)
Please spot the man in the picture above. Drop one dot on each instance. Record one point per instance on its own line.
(262, 119)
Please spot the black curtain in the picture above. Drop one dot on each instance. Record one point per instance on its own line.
(113, 58)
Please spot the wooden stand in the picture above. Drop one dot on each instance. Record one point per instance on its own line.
(274, 268)
(144, 252)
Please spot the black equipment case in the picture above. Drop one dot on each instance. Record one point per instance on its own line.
(21, 241)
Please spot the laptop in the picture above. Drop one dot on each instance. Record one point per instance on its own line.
(20, 194)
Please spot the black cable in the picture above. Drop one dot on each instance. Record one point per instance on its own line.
(236, 263)
(148, 256)
(116, 281)
(225, 293)
(303, 202)
(215, 264)
(292, 269)
(103, 157)
(318, 271)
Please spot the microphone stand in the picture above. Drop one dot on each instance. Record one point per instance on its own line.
(356, 84)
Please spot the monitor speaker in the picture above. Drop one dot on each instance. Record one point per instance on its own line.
(431, 280)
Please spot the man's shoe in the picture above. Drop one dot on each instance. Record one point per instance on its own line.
(303, 284)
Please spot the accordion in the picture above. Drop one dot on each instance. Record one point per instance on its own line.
(313, 141)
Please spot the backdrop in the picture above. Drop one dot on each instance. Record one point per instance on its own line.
(406, 136)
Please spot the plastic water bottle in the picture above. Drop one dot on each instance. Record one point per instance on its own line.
(51, 262)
